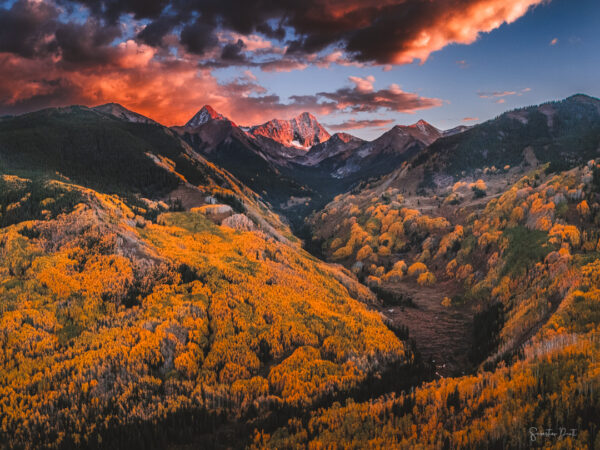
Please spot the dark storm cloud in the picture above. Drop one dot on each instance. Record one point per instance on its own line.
(111, 10)
(199, 37)
(32, 30)
(233, 52)
(158, 56)
(367, 31)
(25, 27)
(154, 32)
(380, 31)
(84, 45)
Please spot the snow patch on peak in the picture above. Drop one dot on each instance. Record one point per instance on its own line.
(206, 114)
(298, 144)
(422, 125)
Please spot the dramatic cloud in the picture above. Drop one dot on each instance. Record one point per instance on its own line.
(168, 92)
(363, 97)
(159, 56)
(26, 29)
(373, 31)
(353, 124)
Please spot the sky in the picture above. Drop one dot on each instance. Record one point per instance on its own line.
(359, 66)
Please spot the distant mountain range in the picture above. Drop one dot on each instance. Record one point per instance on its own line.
(298, 158)
(294, 165)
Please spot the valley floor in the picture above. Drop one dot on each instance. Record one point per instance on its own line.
(442, 334)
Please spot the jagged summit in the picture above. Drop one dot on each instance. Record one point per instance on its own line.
(120, 112)
(303, 131)
(421, 130)
(205, 114)
(423, 125)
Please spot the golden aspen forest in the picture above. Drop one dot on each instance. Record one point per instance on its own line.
(114, 328)
(120, 330)
(530, 253)
(312, 225)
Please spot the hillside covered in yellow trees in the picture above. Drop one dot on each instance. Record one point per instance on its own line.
(151, 299)
(117, 330)
(526, 261)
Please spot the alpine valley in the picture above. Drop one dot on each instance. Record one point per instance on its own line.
(275, 286)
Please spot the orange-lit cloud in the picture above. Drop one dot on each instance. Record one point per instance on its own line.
(372, 31)
(470, 119)
(363, 84)
(461, 23)
(171, 91)
(363, 97)
(159, 60)
(498, 96)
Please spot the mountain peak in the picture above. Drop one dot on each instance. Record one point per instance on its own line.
(305, 116)
(120, 112)
(583, 98)
(421, 130)
(304, 130)
(205, 114)
(423, 125)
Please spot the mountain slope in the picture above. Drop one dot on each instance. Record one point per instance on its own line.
(563, 133)
(337, 144)
(423, 235)
(527, 260)
(139, 325)
(114, 155)
(90, 147)
(140, 334)
(257, 166)
(382, 155)
(128, 324)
